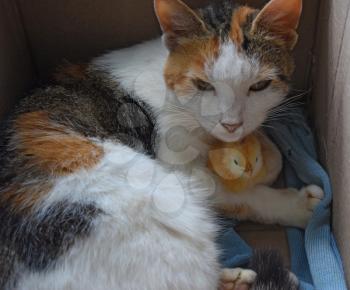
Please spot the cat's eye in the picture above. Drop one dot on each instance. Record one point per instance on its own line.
(260, 86)
(236, 162)
(203, 85)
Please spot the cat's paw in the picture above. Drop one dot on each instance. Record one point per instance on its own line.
(309, 198)
(314, 195)
(237, 279)
(294, 280)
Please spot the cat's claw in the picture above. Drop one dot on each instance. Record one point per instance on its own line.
(237, 279)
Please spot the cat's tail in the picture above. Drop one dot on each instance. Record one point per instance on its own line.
(271, 273)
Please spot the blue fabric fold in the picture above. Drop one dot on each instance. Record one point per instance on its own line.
(234, 251)
(315, 258)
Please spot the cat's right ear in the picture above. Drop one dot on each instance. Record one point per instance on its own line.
(178, 22)
(280, 19)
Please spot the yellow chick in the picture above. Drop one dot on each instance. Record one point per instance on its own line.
(239, 165)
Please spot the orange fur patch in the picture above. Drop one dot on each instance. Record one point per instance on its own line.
(24, 198)
(52, 147)
(241, 211)
(72, 71)
(188, 62)
(239, 18)
(281, 85)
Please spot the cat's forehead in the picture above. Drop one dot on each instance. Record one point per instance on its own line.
(231, 65)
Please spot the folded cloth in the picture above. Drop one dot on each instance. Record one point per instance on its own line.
(315, 258)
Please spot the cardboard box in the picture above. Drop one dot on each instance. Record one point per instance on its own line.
(37, 35)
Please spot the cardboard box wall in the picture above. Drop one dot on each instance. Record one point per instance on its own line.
(37, 35)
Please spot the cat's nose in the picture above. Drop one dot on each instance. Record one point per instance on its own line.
(232, 127)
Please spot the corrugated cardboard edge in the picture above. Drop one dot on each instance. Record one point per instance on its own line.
(331, 111)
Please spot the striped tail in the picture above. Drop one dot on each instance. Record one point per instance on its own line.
(271, 273)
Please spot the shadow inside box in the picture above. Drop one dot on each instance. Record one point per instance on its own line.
(266, 237)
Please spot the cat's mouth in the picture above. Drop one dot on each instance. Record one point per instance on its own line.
(221, 133)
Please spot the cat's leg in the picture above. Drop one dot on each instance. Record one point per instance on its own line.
(289, 207)
(237, 279)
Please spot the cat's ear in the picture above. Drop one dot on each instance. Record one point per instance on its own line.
(178, 21)
(280, 19)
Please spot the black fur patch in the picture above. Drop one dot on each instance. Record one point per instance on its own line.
(272, 275)
(7, 266)
(218, 17)
(97, 107)
(245, 43)
(37, 241)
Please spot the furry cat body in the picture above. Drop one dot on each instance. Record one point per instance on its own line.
(70, 213)
(103, 180)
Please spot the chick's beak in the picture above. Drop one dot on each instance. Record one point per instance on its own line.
(249, 169)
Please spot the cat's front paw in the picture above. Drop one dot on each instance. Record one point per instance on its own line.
(237, 279)
(309, 198)
(314, 195)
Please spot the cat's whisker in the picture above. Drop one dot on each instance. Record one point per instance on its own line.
(264, 126)
(290, 105)
(296, 101)
(296, 97)
(283, 113)
(280, 115)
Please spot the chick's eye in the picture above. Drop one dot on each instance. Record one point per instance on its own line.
(203, 85)
(260, 86)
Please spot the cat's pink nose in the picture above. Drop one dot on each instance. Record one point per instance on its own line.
(231, 128)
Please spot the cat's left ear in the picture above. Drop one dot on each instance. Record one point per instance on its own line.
(280, 19)
(178, 21)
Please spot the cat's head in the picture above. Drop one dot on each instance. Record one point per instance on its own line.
(229, 65)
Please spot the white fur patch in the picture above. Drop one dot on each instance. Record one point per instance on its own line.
(139, 70)
(156, 231)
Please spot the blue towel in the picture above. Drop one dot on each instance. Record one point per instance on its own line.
(315, 258)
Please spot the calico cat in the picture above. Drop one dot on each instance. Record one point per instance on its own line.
(103, 179)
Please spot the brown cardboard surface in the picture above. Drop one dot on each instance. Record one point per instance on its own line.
(266, 237)
(16, 70)
(331, 111)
